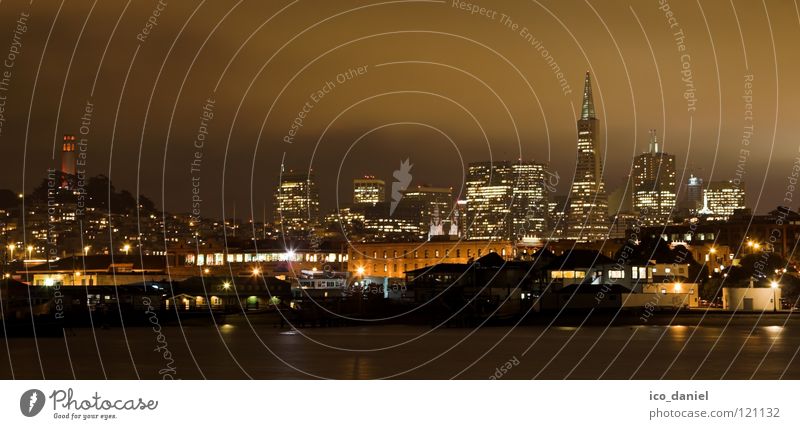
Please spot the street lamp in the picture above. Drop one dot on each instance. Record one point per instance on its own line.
(30, 251)
(126, 248)
(86, 250)
(774, 285)
(256, 271)
(11, 248)
(225, 286)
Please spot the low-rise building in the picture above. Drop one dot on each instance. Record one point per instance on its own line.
(751, 298)
(395, 259)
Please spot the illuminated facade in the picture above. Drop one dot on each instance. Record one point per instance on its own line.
(403, 224)
(722, 199)
(297, 202)
(395, 259)
(654, 193)
(506, 200)
(694, 194)
(588, 211)
(426, 203)
(67, 161)
(369, 190)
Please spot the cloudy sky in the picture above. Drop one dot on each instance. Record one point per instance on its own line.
(374, 83)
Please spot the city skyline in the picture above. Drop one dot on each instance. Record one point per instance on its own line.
(401, 189)
(631, 100)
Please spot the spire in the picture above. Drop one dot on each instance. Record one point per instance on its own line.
(653, 141)
(587, 112)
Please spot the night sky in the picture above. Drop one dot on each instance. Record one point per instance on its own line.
(423, 80)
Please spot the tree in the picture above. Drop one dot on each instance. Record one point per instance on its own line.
(763, 264)
(8, 199)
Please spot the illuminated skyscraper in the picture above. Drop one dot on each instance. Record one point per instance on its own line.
(654, 193)
(588, 211)
(506, 200)
(722, 199)
(428, 203)
(369, 190)
(694, 194)
(529, 210)
(296, 202)
(488, 201)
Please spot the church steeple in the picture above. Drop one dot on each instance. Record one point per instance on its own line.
(587, 112)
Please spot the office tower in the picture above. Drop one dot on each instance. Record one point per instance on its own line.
(506, 200)
(557, 208)
(297, 202)
(529, 209)
(369, 190)
(694, 194)
(654, 193)
(67, 161)
(488, 201)
(588, 212)
(401, 225)
(427, 203)
(722, 199)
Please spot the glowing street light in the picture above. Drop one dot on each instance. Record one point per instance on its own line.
(86, 250)
(11, 248)
(712, 250)
(360, 271)
(126, 248)
(256, 271)
(30, 251)
(226, 285)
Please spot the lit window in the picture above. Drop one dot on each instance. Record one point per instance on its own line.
(616, 274)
